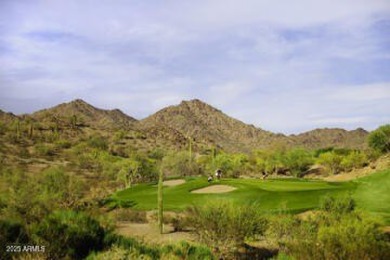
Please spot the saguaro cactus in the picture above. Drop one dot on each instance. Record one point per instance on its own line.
(160, 202)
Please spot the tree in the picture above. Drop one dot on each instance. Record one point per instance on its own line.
(353, 160)
(297, 161)
(129, 169)
(225, 225)
(379, 139)
(179, 164)
(268, 161)
(331, 160)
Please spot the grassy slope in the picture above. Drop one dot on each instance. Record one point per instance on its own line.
(296, 195)
(373, 193)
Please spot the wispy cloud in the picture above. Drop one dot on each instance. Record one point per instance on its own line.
(367, 92)
(282, 66)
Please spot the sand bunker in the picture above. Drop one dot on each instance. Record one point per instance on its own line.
(173, 182)
(215, 189)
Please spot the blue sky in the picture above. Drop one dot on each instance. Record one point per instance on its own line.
(283, 67)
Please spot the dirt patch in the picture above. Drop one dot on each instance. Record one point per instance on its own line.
(173, 182)
(149, 233)
(215, 189)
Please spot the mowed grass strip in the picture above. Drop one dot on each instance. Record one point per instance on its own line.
(291, 195)
(373, 194)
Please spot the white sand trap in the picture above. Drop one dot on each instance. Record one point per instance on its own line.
(215, 189)
(173, 182)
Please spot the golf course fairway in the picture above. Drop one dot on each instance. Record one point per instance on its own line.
(371, 193)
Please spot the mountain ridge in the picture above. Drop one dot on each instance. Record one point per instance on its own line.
(87, 114)
(203, 123)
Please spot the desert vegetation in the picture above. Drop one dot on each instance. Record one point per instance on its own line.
(67, 180)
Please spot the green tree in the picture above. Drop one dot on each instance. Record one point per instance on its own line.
(179, 164)
(268, 161)
(331, 160)
(354, 160)
(60, 190)
(297, 161)
(129, 169)
(379, 139)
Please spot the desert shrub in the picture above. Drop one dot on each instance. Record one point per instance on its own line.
(21, 197)
(11, 232)
(63, 144)
(157, 154)
(122, 214)
(69, 234)
(268, 161)
(60, 190)
(352, 237)
(297, 161)
(179, 223)
(180, 164)
(185, 250)
(112, 240)
(353, 160)
(45, 150)
(282, 227)
(335, 232)
(320, 151)
(331, 161)
(224, 225)
(98, 142)
(338, 205)
(379, 139)
(3, 128)
(118, 253)
(372, 154)
(23, 152)
(127, 248)
(231, 165)
(119, 135)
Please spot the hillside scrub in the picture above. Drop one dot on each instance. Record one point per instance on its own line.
(180, 164)
(129, 248)
(224, 226)
(69, 234)
(335, 232)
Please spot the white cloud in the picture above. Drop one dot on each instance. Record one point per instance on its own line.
(367, 92)
(276, 64)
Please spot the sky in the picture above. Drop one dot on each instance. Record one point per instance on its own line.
(284, 66)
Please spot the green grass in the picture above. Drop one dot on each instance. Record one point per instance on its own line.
(270, 194)
(373, 194)
(295, 195)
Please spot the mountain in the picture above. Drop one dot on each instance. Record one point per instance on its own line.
(7, 117)
(173, 126)
(331, 137)
(206, 124)
(86, 114)
(211, 126)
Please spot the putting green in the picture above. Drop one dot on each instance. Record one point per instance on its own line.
(270, 194)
